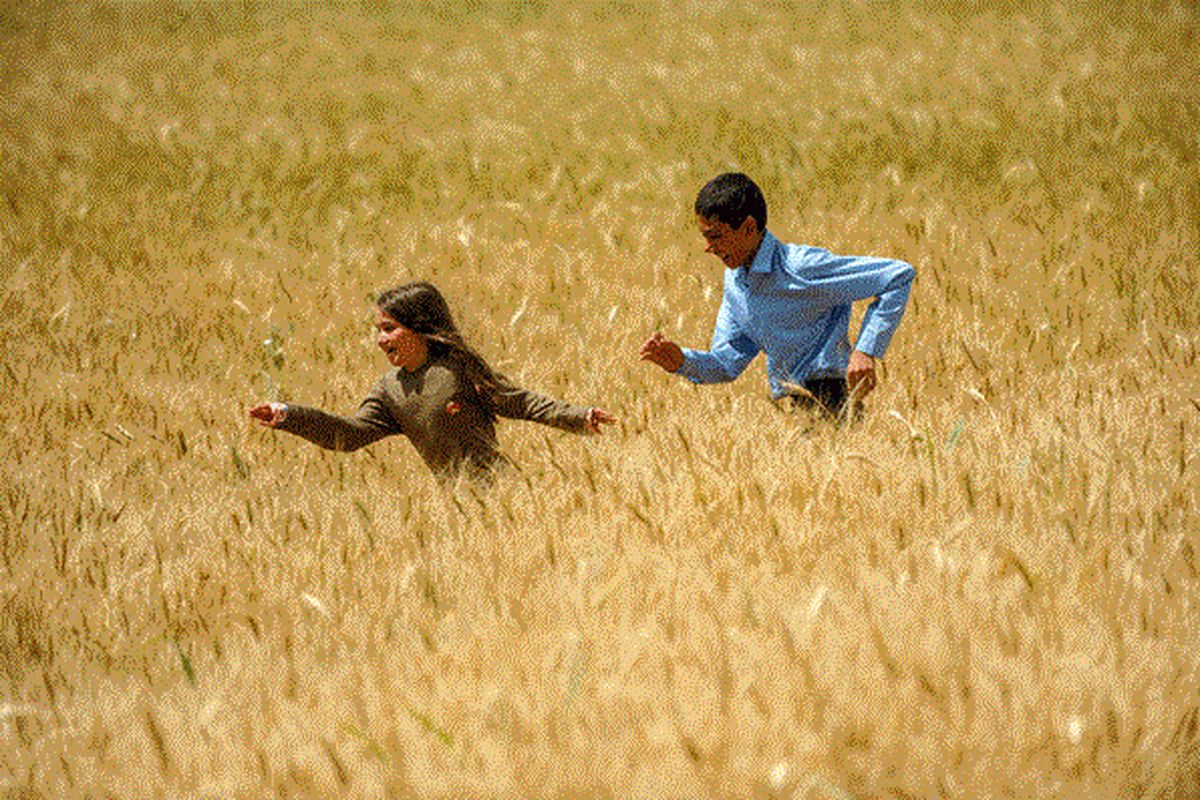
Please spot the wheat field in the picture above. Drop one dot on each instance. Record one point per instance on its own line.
(985, 589)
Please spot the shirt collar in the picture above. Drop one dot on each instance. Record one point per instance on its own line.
(764, 259)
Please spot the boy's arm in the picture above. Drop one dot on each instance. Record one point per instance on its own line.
(731, 351)
(846, 279)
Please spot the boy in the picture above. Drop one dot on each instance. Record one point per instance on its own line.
(791, 301)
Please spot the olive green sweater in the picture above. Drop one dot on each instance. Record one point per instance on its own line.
(432, 406)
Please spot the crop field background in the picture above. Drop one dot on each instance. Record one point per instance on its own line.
(988, 588)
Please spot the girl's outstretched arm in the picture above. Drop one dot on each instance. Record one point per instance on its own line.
(370, 423)
(517, 403)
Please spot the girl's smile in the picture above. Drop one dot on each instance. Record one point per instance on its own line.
(403, 347)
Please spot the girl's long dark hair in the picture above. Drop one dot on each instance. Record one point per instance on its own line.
(420, 307)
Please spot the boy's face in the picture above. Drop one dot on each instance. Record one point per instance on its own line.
(734, 246)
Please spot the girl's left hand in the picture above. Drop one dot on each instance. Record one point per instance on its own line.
(269, 415)
(597, 417)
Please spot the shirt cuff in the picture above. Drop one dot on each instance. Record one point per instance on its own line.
(688, 368)
(871, 343)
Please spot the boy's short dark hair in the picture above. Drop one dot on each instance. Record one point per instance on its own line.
(730, 198)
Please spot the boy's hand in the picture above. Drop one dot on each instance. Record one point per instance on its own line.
(663, 352)
(860, 375)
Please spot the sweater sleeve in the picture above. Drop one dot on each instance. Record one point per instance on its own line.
(370, 423)
(517, 403)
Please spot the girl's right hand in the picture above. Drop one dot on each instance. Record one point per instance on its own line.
(597, 417)
(269, 415)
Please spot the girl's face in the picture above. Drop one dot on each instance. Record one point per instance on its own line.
(403, 347)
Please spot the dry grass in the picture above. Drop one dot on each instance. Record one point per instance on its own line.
(988, 589)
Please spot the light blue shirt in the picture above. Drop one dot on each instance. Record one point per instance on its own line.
(793, 302)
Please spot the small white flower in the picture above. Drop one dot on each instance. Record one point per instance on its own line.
(818, 601)
(520, 312)
(779, 774)
(1075, 730)
(315, 604)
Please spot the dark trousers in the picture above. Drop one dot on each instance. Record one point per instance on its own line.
(825, 395)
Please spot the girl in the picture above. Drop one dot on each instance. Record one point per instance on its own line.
(444, 397)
